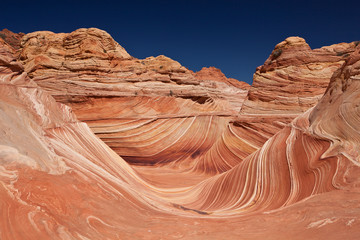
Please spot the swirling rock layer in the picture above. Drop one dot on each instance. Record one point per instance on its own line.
(125, 100)
(146, 110)
(60, 181)
(292, 80)
(316, 153)
(294, 77)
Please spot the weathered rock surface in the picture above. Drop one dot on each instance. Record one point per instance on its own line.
(146, 110)
(294, 77)
(89, 63)
(292, 80)
(59, 181)
(11, 38)
(215, 74)
(318, 152)
(48, 164)
(155, 111)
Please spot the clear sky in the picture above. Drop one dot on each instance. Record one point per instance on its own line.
(235, 36)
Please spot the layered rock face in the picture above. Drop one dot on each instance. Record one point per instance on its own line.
(11, 38)
(41, 146)
(146, 110)
(59, 181)
(89, 63)
(214, 74)
(292, 80)
(318, 152)
(294, 77)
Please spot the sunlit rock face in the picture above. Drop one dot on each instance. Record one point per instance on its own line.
(291, 81)
(59, 181)
(317, 152)
(88, 64)
(214, 74)
(149, 111)
(53, 182)
(294, 77)
(155, 111)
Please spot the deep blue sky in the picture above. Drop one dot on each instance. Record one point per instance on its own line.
(235, 36)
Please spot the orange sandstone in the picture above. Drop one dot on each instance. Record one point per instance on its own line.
(295, 166)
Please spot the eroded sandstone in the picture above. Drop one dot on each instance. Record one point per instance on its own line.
(59, 181)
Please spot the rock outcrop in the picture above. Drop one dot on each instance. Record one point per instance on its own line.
(59, 181)
(294, 77)
(146, 110)
(11, 38)
(45, 154)
(215, 74)
(318, 152)
(89, 63)
(291, 81)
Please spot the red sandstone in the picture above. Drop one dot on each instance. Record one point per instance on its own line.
(281, 162)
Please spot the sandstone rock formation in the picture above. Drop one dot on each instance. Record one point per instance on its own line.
(149, 111)
(214, 74)
(89, 63)
(294, 77)
(318, 152)
(59, 181)
(292, 80)
(11, 38)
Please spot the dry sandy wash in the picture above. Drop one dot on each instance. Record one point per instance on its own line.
(96, 144)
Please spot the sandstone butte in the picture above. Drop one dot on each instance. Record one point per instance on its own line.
(179, 155)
